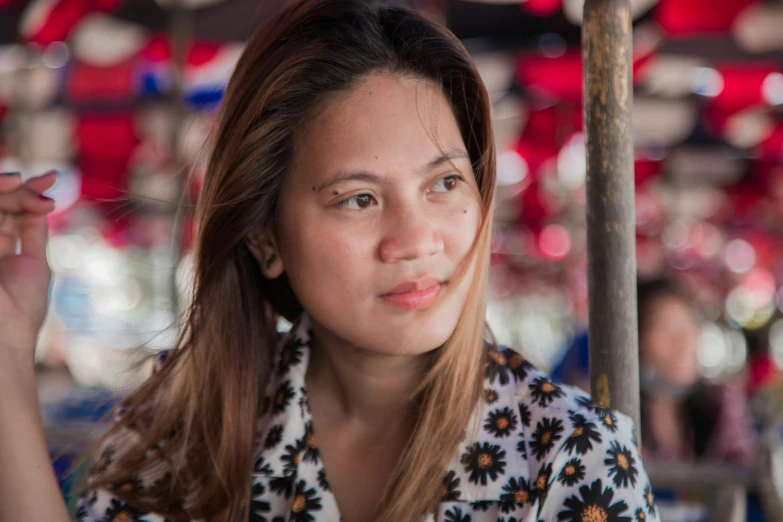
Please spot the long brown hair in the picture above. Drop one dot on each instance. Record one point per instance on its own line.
(196, 418)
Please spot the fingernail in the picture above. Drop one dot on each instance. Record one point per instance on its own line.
(9, 174)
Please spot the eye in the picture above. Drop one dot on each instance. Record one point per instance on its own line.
(358, 202)
(447, 184)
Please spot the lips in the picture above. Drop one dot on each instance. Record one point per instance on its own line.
(414, 286)
(414, 294)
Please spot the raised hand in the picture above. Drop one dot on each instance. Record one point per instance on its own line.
(24, 276)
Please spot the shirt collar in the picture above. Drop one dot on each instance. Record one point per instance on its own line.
(286, 409)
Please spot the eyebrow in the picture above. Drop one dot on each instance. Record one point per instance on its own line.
(345, 176)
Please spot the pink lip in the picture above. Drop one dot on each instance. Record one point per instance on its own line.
(414, 294)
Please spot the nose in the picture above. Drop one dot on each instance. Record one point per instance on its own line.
(411, 234)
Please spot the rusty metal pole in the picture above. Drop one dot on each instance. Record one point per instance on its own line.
(611, 222)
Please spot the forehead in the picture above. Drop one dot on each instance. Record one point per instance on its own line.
(386, 121)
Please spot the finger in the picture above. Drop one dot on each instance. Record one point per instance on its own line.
(33, 234)
(23, 200)
(42, 183)
(7, 245)
(9, 181)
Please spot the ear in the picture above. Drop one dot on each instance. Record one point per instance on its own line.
(264, 248)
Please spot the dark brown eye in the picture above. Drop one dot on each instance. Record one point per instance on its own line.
(446, 184)
(358, 202)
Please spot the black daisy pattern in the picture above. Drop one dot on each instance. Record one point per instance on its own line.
(290, 355)
(524, 414)
(595, 504)
(455, 514)
(262, 466)
(282, 397)
(322, 482)
(258, 506)
(583, 436)
(273, 436)
(547, 433)
(641, 515)
(522, 447)
(540, 487)
(118, 511)
(481, 505)
(310, 444)
(607, 415)
(282, 485)
(292, 456)
(497, 367)
(501, 422)
(483, 460)
(449, 490)
(609, 420)
(517, 494)
(518, 365)
(572, 473)
(305, 503)
(81, 514)
(621, 464)
(649, 499)
(490, 396)
(545, 391)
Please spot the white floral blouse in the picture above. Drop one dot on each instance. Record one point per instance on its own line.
(535, 451)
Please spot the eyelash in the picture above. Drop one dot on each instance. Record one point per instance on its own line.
(456, 177)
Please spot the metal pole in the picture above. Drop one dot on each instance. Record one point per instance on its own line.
(611, 223)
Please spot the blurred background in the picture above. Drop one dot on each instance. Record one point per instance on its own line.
(120, 95)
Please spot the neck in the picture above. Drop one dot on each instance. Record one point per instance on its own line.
(358, 386)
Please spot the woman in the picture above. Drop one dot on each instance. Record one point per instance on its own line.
(683, 417)
(350, 191)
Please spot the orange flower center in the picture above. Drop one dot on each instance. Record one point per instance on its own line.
(622, 461)
(502, 423)
(299, 504)
(498, 357)
(547, 387)
(545, 437)
(311, 441)
(541, 482)
(578, 432)
(650, 498)
(122, 516)
(594, 513)
(296, 458)
(569, 470)
(608, 420)
(521, 496)
(484, 460)
(279, 398)
(515, 361)
(443, 491)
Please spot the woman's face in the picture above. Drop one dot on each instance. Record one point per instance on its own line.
(670, 341)
(375, 222)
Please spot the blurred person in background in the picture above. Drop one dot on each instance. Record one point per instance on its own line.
(683, 416)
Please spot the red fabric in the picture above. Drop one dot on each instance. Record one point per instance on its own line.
(742, 84)
(64, 16)
(561, 77)
(88, 84)
(7, 3)
(689, 17)
(106, 144)
(158, 50)
(542, 7)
